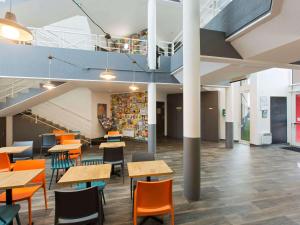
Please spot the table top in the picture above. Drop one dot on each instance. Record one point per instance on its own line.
(16, 179)
(112, 144)
(64, 148)
(148, 169)
(58, 135)
(81, 174)
(14, 149)
(112, 135)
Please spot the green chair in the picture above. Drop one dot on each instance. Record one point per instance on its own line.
(8, 213)
(60, 161)
(99, 184)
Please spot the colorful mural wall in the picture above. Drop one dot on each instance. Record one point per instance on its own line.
(129, 113)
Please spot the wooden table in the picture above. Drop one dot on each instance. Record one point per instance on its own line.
(16, 179)
(14, 150)
(148, 169)
(64, 148)
(112, 144)
(86, 174)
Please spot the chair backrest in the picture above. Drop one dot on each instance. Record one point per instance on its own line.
(31, 165)
(115, 132)
(68, 142)
(4, 162)
(48, 140)
(58, 131)
(113, 154)
(77, 204)
(66, 137)
(60, 160)
(87, 162)
(113, 139)
(28, 152)
(154, 194)
(142, 156)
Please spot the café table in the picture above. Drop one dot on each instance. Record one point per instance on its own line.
(16, 179)
(86, 174)
(64, 148)
(112, 144)
(14, 150)
(148, 169)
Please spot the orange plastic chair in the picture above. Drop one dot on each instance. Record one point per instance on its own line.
(26, 193)
(58, 132)
(153, 199)
(113, 133)
(5, 164)
(76, 153)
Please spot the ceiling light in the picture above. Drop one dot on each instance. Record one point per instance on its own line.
(107, 75)
(48, 85)
(10, 29)
(126, 46)
(133, 87)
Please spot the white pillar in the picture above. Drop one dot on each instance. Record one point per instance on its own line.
(152, 34)
(229, 142)
(152, 117)
(191, 98)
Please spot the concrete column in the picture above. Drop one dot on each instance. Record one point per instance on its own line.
(9, 130)
(152, 34)
(152, 118)
(229, 142)
(191, 99)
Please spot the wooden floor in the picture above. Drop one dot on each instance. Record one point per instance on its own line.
(242, 186)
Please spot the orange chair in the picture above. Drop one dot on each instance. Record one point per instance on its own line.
(58, 132)
(153, 199)
(5, 164)
(26, 193)
(113, 133)
(76, 153)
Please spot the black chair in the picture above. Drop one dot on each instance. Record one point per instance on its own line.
(78, 207)
(8, 213)
(115, 157)
(139, 157)
(48, 141)
(28, 154)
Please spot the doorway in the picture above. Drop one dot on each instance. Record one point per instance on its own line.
(279, 120)
(245, 117)
(210, 116)
(2, 132)
(160, 119)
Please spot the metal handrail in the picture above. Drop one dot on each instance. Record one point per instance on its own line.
(69, 111)
(50, 125)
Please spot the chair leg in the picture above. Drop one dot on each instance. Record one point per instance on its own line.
(103, 197)
(51, 179)
(172, 217)
(45, 195)
(57, 173)
(134, 218)
(18, 219)
(29, 212)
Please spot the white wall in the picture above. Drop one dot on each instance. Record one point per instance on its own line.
(222, 105)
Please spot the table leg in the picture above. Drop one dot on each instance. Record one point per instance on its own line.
(148, 179)
(11, 158)
(88, 184)
(9, 199)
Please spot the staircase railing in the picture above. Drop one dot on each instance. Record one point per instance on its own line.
(36, 119)
(63, 116)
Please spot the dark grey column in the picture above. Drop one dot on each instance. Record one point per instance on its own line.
(229, 135)
(152, 138)
(192, 168)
